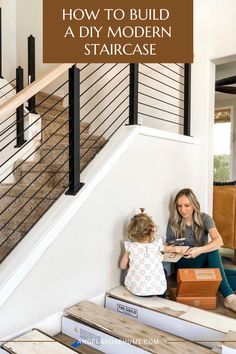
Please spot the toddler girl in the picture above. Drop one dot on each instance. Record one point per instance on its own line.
(143, 258)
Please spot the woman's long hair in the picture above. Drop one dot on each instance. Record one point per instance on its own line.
(177, 223)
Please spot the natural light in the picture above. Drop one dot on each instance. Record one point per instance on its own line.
(222, 138)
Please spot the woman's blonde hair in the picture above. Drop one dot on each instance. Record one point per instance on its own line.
(142, 228)
(177, 223)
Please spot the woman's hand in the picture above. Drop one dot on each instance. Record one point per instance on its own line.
(193, 252)
(180, 249)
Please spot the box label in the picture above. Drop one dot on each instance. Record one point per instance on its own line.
(89, 338)
(208, 274)
(127, 310)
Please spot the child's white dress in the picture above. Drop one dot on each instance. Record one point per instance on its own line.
(145, 275)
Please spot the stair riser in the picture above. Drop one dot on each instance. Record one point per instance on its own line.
(10, 243)
(47, 178)
(52, 114)
(85, 142)
(30, 213)
(84, 153)
(54, 128)
(48, 102)
(51, 129)
(24, 206)
(30, 192)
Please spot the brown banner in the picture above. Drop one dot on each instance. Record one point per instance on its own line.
(88, 31)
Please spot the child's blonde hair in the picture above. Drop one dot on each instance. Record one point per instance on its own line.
(142, 228)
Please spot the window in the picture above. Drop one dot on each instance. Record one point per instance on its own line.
(222, 144)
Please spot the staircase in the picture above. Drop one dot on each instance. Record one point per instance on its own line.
(89, 329)
(40, 181)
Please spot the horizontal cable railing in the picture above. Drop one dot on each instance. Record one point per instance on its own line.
(34, 174)
(161, 90)
(73, 113)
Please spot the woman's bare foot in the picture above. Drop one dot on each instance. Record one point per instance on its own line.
(230, 302)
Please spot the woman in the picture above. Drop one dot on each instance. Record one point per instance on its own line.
(189, 223)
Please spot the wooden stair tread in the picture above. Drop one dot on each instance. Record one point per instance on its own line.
(126, 329)
(82, 348)
(36, 342)
(188, 313)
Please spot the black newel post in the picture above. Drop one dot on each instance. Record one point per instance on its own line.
(74, 131)
(20, 110)
(187, 98)
(133, 94)
(31, 70)
(1, 42)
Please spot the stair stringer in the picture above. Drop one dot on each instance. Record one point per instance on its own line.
(26, 254)
(18, 267)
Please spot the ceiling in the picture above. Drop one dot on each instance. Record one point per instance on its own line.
(223, 71)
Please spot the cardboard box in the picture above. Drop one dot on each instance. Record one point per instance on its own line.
(198, 282)
(202, 302)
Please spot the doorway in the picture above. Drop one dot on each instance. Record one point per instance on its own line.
(223, 144)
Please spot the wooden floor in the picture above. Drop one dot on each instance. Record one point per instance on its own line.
(227, 259)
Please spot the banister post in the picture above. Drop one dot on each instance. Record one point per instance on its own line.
(31, 70)
(20, 110)
(74, 131)
(133, 94)
(187, 99)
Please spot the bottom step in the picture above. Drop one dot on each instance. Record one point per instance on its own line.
(113, 333)
(36, 342)
(179, 319)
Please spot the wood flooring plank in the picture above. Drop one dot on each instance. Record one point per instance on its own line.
(189, 313)
(126, 329)
(36, 342)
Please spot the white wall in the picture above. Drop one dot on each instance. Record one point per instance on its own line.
(82, 262)
(29, 21)
(8, 38)
(212, 42)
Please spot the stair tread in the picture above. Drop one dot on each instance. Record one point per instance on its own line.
(82, 348)
(127, 329)
(85, 142)
(171, 308)
(12, 190)
(38, 343)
